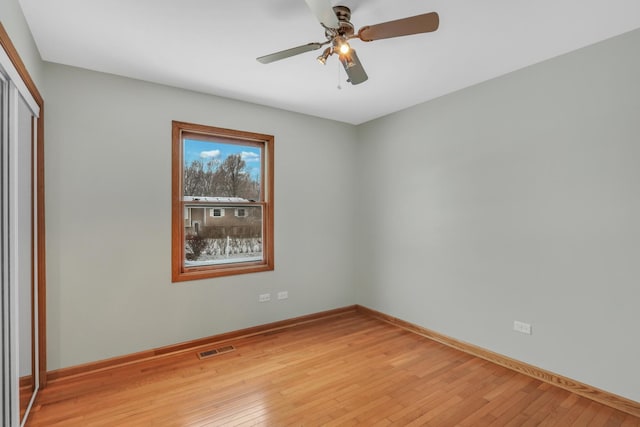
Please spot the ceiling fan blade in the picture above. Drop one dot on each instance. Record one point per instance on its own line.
(425, 23)
(353, 67)
(289, 52)
(324, 12)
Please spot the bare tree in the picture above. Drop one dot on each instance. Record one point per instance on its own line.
(233, 178)
(193, 178)
(209, 184)
(230, 179)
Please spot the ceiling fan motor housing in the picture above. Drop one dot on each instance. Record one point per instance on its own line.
(343, 13)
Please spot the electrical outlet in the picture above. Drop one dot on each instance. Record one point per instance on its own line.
(522, 327)
(283, 295)
(264, 297)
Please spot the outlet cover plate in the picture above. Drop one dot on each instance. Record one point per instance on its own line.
(283, 295)
(522, 327)
(264, 297)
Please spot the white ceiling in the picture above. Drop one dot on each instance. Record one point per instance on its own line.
(210, 46)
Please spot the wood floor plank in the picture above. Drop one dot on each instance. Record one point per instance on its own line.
(350, 369)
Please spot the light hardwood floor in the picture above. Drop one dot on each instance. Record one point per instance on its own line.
(350, 369)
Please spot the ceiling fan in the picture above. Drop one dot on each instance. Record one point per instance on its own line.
(339, 30)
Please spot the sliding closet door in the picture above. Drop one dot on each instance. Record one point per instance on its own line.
(18, 228)
(5, 413)
(23, 224)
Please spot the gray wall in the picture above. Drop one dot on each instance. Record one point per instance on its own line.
(108, 155)
(16, 26)
(516, 199)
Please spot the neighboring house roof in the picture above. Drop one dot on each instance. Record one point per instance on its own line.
(214, 199)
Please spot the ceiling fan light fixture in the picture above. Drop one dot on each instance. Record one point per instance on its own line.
(341, 45)
(347, 61)
(323, 58)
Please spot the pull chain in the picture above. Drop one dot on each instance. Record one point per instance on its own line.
(339, 87)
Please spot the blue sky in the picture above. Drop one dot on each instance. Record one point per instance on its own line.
(205, 151)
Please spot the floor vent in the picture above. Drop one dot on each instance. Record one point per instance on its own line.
(215, 351)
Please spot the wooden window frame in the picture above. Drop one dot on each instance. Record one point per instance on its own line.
(181, 273)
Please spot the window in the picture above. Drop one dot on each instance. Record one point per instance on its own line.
(216, 212)
(216, 170)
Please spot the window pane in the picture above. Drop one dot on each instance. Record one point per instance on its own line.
(217, 169)
(223, 239)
